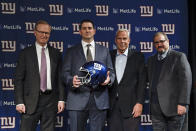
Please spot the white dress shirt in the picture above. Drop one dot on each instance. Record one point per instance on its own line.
(39, 51)
(121, 61)
(92, 48)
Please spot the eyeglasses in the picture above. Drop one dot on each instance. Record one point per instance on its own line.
(161, 41)
(42, 32)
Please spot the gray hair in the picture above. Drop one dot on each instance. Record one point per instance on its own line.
(123, 30)
(42, 22)
(160, 33)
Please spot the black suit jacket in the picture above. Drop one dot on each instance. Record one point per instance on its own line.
(131, 88)
(27, 78)
(174, 83)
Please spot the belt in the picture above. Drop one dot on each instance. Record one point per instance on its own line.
(47, 92)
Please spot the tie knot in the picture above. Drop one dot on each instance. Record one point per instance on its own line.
(43, 49)
(160, 57)
(88, 45)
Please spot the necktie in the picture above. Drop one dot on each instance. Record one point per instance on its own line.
(160, 57)
(88, 53)
(43, 72)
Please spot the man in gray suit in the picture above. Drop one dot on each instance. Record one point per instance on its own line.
(170, 79)
(39, 93)
(83, 102)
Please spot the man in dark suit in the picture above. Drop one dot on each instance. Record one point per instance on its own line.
(170, 79)
(82, 101)
(127, 92)
(38, 90)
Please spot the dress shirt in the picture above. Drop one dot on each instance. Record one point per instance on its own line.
(39, 50)
(92, 48)
(121, 60)
(162, 56)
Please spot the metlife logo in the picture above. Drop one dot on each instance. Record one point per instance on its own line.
(174, 47)
(78, 10)
(60, 28)
(133, 47)
(146, 29)
(10, 27)
(31, 9)
(168, 11)
(8, 65)
(7, 103)
(123, 11)
(105, 28)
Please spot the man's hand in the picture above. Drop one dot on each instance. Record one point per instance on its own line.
(137, 110)
(76, 81)
(61, 106)
(21, 108)
(181, 110)
(107, 79)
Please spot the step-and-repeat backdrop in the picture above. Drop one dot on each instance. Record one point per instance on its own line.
(142, 18)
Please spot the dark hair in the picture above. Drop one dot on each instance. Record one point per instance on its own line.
(42, 22)
(86, 20)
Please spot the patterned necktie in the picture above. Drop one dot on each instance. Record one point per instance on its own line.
(43, 72)
(88, 53)
(160, 57)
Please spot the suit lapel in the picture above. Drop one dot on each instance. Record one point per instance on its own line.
(34, 59)
(127, 64)
(51, 63)
(97, 50)
(81, 52)
(152, 67)
(113, 57)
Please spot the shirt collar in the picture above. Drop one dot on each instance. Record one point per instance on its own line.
(164, 54)
(39, 46)
(125, 53)
(84, 44)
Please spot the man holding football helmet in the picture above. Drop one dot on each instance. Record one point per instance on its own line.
(87, 72)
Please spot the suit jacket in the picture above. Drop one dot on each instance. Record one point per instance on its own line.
(77, 98)
(131, 88)
(174, 83)
(27, 78)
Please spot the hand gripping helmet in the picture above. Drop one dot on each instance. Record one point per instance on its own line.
(94, 72)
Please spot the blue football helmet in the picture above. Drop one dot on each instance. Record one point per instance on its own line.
(94, 72)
